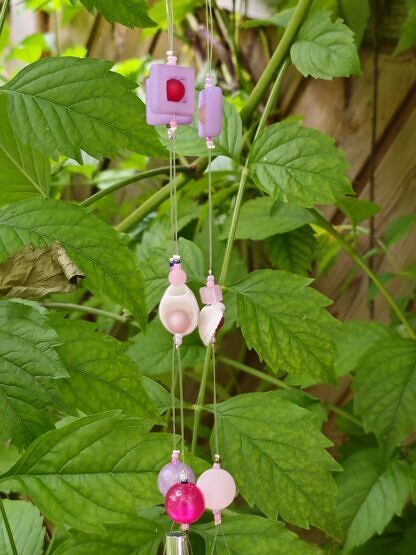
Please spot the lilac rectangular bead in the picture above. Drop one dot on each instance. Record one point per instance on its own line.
(162, 119)
(211, 295)
(157, 94)
(210, 112)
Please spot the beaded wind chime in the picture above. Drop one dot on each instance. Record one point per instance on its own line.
(170, 94)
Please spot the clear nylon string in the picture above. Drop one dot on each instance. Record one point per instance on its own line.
(210, 33)
(172, 394)
(181, 404)
(175, 197)
(210, 214)
(170, 22)
(214, 379)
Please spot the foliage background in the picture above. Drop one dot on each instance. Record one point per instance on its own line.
(71, 372)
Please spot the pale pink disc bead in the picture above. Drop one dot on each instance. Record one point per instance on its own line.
(184, 503)
(178, 321)
(218, 488)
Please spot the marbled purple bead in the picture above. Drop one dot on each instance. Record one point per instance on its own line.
(171, 475)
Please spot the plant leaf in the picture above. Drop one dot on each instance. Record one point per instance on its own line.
(399, 228)
(152, 351)
(252, 534)
(292, 468)
(262, 217)
(386, 390)
(357, 14)
(285, 322)
(65, 105)
(298, 164)
(26, 524)
(370, 495)
(325, 49)
(24, 171)
(28, 366)
(141, 536)
(98, 469)
(357, 209)
(132, 13)
(407, 32)
(293, 251)
(102, 376)
(355, 339)
(110, 267)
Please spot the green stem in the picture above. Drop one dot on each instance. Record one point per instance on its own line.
(280, 383)
(160, 196)
(276, 61)
(8, 528)
(3, 13)
(52, 541)
(324, 224)
(130, 180)
(199, 405)
(88, 310)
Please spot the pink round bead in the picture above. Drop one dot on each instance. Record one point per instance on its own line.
(177, 276)
(171, 475)
(184, 503)
(218, 488)
(178, 321)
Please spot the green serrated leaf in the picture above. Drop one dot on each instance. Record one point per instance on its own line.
(355, 339)
(102, 376)
(97, 469)
(110, 267)
(285, 322)
(407, 32)
(370, 494)
(293, 251)
(29, 365)
(325, 49)
(399, 228)
(132, 13)
(141, 536)
(298, 164)
(24, 171)
(386, 390)
(152, 351)
(188, 142)
(262, 217)
(65, 105)
(356, 13)
(358, 210)
(26, 525)
(281, 441)
(242, 534)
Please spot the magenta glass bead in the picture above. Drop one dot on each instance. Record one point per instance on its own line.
(184, 503)
(171, 475)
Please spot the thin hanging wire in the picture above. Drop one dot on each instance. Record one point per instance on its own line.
(170, 22)
(210, 212)
(210, 33)
(180, 376)
(175, 196)
(214, 379)
(173, 397)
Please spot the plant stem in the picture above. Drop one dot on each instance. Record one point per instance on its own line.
(276, 61)
(324, 224)
(160, 196)
(199, 405)
(280, 383)
(88, 310)
(3, 12)
(128, 181)
(8, 528)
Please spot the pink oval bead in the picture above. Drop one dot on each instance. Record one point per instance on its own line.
(218, 488)
(184, 503)
(171, 475)
(177, 276)
(178, 321)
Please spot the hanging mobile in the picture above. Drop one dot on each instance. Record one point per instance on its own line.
(170, 92)
(216, 484)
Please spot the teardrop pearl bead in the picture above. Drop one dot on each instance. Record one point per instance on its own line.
(171, 474)
(178, 321)
(184, 503)
(218, 488)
